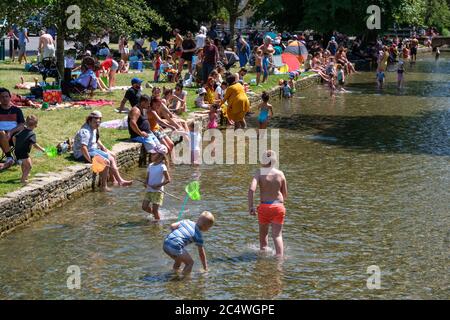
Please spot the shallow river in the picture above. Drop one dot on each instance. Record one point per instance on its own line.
(368, 177)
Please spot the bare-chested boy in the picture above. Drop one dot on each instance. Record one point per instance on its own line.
(271, 211)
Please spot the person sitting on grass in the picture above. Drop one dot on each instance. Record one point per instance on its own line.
(23, 142)
(87, 145)
(11, 122)
(132, 95)
(184, 233)
(179, 99)
(87, 80)
(200, 100)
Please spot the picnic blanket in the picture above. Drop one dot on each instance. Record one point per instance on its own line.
(93, 103)
(121, 124)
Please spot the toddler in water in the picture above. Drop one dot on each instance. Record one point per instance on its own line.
(213, 116)
(340, 77)
(285, 90)
(196, 140)
(157, 177)
(184, 233)
(265, 111)
(400, 74)
(380, 79)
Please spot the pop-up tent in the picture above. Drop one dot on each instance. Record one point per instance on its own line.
(294, 55)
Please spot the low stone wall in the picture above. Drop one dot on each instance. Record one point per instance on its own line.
(48, 191)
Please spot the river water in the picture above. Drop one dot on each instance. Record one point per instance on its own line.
(368, 177)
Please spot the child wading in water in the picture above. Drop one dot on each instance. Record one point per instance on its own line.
(23, 141)
(265, 111)
(340, 77)
(184, 233)
(380, 79)
(157, 177)
(271, 211)
(400, 74)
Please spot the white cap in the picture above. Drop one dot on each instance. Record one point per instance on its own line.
(201, 90)
(96, 114)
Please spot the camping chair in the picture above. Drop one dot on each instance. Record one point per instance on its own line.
(11, 149)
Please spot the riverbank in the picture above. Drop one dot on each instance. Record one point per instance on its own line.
(50, 190)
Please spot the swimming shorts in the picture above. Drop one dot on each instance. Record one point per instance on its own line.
(154, 197)
(258, 69)
(173, 249)
(271, 213)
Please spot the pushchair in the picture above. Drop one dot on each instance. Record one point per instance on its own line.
(49, 69)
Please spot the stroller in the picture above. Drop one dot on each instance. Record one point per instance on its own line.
(48, 69)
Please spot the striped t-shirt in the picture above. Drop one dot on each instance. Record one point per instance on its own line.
(10, 118)
(186, 233)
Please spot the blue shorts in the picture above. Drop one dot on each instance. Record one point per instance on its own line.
(149, 143)
(258, 69)
(98, 152)
(173, 249)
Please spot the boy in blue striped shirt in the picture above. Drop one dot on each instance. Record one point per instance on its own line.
(184, 233)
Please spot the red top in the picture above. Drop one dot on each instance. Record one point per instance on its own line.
(107, 64)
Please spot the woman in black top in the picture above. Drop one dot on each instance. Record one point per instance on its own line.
(188, 46)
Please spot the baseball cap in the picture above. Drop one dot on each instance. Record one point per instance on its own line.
(136, 80)
(95, 114)
(161, 149)
(201, 91)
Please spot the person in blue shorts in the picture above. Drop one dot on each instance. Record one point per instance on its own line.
(183, 233)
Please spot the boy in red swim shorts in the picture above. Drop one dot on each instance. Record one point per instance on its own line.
(271, 211)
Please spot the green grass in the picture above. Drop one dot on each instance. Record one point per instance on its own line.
(57, 125)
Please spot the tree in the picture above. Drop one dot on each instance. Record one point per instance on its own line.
(186, 15)
(437, 14)
(95, 16)
(235, 9)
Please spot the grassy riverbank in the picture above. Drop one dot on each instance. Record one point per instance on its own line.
(58, 125)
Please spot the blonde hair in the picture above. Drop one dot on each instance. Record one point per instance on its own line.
(31, 120)
(206, 219)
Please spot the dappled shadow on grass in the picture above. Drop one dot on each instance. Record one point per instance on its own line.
(427, 133)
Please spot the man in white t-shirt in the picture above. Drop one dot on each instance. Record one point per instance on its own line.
(200, 39)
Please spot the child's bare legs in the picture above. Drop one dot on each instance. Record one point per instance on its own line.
(112, 79)
(26, 168)
(188, 263)
(277, 237)
(104, 180)
(263, 236)
(155, 210)
(146, 206)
